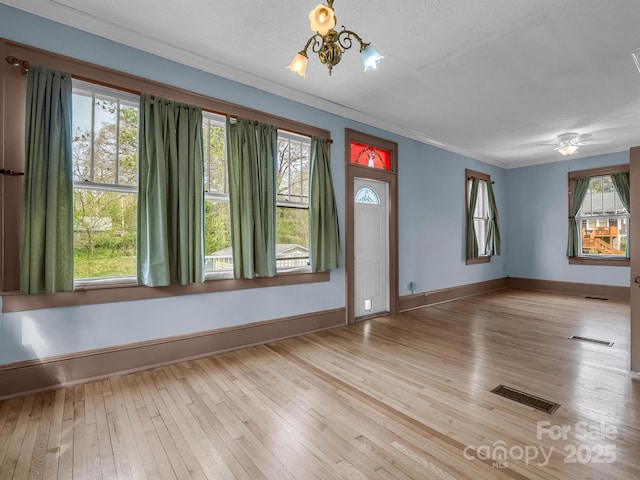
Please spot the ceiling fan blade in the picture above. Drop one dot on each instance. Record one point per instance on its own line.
(594, 142)
(546, 144)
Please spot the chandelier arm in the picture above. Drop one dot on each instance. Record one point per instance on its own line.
(317, 40)
(345, 40)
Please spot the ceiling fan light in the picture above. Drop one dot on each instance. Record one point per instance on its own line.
(299, 64)
(322, 19)
(568, 150)
(370, 57)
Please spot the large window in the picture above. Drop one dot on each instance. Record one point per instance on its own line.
(292, 212)
(105, 175)
(602, 220)
(105, 145)
(105, 168)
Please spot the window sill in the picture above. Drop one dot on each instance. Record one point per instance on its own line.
(603, 262)
(125, 292)
(482, 259)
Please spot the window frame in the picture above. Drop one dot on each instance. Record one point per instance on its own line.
(12, 146)
(483, 177)
(595, 172)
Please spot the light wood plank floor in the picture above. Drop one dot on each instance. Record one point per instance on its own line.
(398, 397)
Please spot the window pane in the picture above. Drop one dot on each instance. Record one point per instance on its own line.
(82, 137)
(217, 236)
(481, 234)
(104, 234)
(293, 169)
(215, 171)
(481, 203)
(105, 135)
(105, 140)
(292, 237)
(128, 145)
(604, 236)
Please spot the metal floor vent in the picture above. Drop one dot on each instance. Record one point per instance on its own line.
(591, 340)
(526, 399)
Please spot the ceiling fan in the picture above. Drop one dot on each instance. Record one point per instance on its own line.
(568, 143)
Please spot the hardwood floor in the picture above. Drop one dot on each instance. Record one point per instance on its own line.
(398, 397)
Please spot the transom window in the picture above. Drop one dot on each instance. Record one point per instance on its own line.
(369, 156)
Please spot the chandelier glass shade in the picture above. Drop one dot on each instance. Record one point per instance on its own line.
(330, 44)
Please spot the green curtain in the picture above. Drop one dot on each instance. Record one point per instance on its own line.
(326, 252)
(170, 193)
(580, 187)
(46, 247)
(472, 241)
(251, 155)
(621, 183)
(493, 231)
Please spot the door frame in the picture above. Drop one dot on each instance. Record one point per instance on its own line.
(385, 176)
(634, 334)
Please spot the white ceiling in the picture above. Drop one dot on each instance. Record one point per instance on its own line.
(489, 79)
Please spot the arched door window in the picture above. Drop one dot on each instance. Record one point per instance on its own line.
(367, 195)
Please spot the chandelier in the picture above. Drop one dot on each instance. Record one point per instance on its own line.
(330, 44)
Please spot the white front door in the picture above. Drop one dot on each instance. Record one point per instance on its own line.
(371, 247)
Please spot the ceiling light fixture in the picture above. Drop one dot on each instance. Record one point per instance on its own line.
(568, 149)
(329, 44)
(568, 143)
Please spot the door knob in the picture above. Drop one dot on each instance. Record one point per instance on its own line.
(637, 280)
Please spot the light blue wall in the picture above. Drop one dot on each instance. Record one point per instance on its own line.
(432, 219)
(537, 227)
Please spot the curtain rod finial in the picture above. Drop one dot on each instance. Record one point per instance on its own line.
(17, 62)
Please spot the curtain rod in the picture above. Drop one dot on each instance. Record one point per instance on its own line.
(471, 177)
(24, 64)
(18, 62)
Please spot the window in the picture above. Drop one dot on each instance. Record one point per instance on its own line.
(602, 220)
(369, 156)
(367, 195)
(105, 168)
(217, 220)
(292, 202)
(105, 160)
(479, 216)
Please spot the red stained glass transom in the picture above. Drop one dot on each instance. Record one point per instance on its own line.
(369, 156)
